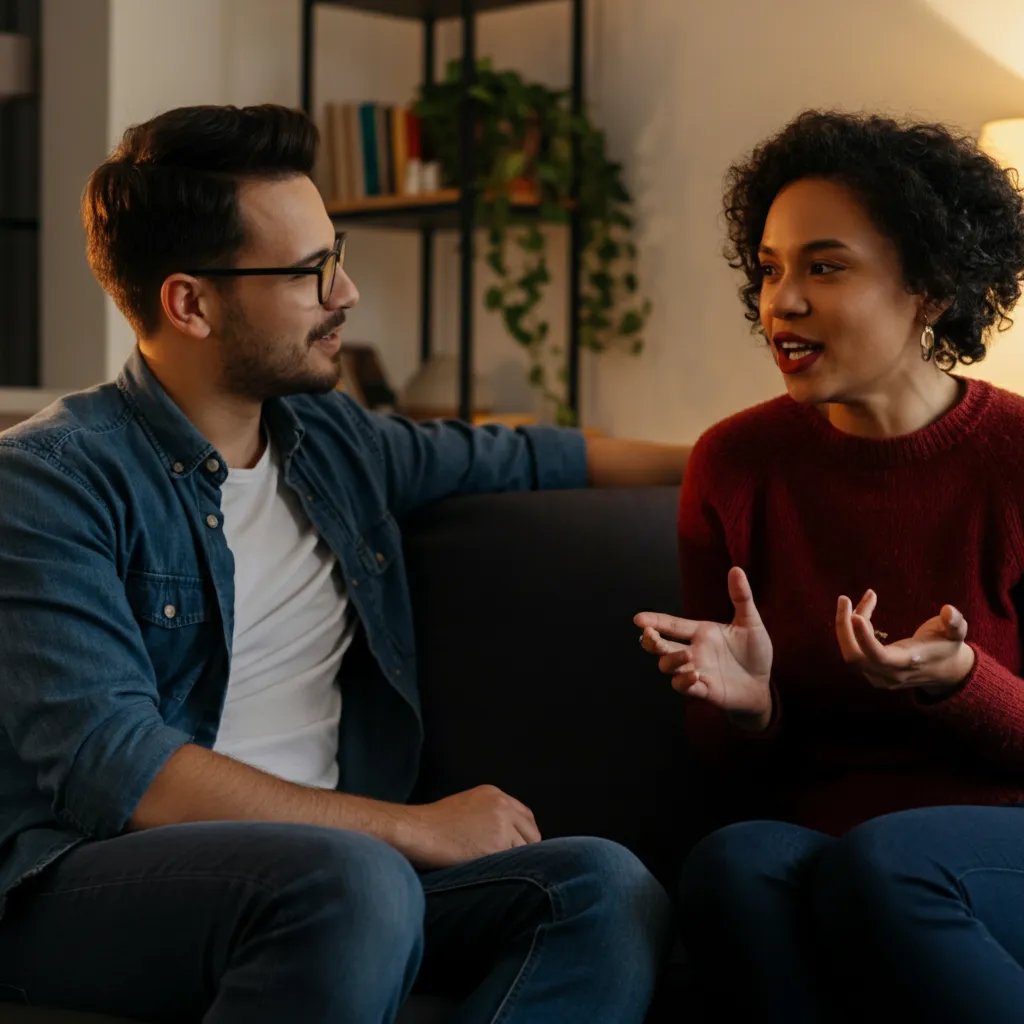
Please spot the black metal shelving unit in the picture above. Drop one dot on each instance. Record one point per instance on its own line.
(458, 212)
(19, 210)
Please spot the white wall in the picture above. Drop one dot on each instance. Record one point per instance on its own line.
(75, 93)
(682, 88)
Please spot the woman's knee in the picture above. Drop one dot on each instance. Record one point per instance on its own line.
(877, 870)
(737, 867)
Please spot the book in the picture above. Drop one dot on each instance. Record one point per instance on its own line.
(400, 148)
(341, 163)
(414, 154)
(323, 170)
(383, 146)
(368, 135)
(354, 141)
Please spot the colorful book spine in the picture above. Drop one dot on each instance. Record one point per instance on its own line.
(414, 155)
(341, 164)
(400, 148)
(354, 140)
(383, 149)
(371, 168)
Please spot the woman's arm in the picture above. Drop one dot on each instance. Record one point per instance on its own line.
(705, 561)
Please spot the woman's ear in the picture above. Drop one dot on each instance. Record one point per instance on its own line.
(931, 309)
(186, 305)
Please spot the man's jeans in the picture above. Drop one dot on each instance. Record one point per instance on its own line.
(248, 922)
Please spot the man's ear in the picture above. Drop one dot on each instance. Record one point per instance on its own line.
(187, 304)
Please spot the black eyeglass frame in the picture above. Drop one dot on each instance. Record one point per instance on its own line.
(337, 254)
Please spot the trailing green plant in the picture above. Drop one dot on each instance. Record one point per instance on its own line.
(526, 137)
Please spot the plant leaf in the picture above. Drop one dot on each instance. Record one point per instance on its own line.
(632, 323)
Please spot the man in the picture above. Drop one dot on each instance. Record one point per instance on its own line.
(191, 825)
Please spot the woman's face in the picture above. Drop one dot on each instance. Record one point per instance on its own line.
(841, 323)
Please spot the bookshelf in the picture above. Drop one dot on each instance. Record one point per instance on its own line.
(434, 210)
(20, 33)
(453, 209)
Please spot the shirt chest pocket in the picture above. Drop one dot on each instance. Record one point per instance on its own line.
(179, 622)
(379, 581)
(379, 546)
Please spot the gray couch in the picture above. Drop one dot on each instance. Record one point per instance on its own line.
(532, 678)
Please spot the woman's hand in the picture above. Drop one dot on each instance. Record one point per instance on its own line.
(935, 658)
(728, 666)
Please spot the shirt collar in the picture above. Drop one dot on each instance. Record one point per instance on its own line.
(180, 446)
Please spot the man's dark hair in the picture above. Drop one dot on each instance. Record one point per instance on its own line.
(955, 217)
(166, 200)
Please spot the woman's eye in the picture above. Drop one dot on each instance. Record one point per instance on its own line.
(824, 268)
(767, 270)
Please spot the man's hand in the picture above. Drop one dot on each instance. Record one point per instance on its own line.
(726, 665)
(463, 827)
(936, 658)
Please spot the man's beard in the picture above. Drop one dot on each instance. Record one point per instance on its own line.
(259, 365)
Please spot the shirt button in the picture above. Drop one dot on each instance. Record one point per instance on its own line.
(178, 467)
(212, 465)
(170, 611)
(212, 522)
(380, 557)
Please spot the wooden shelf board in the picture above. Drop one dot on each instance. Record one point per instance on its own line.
(433, 209)
(424, 8)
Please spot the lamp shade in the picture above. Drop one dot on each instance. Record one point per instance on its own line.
(15, 65)
(1004, 142)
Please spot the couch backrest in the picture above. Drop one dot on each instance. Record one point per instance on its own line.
(531, 673)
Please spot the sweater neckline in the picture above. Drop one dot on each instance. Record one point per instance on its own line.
(951, 428)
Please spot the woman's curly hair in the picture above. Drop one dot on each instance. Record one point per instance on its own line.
(956, 218)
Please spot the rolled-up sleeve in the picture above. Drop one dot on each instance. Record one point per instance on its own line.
(80, 700)
(429, 461)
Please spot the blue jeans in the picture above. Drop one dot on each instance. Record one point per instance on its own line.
(914, 916)
(247, 922)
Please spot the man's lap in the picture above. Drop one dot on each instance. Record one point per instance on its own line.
(157, 905)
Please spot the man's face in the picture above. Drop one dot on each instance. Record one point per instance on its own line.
(275, 337)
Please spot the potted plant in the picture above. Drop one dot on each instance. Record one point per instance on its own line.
(526, 138)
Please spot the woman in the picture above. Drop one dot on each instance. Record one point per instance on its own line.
(852, 560)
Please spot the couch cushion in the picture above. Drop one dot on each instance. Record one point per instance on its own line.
(418, 1010)
(531, 675)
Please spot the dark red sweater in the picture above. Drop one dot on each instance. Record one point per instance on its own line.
(811, 513)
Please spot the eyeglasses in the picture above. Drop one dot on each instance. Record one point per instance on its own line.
(326, 270)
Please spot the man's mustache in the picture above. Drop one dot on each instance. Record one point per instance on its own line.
(327, 327)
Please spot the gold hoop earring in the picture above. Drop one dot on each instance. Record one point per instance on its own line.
(927, 342)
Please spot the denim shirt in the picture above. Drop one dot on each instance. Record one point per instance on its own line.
(117, 589)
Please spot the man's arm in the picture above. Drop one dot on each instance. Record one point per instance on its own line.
(196, 784)
(81, 705)
(615, 463)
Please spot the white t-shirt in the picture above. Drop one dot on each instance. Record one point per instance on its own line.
(292, 628)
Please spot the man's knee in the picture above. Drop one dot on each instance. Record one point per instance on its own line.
(612, 883)
(350, 887)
